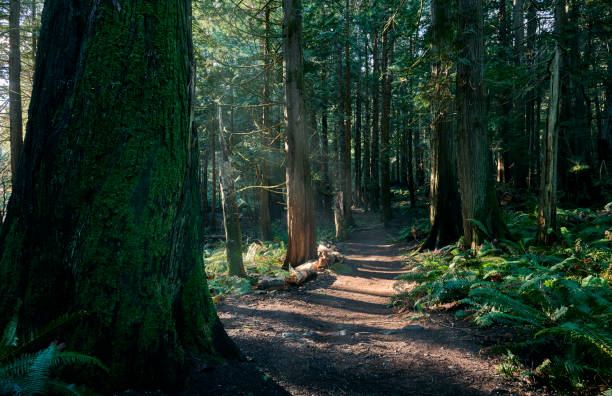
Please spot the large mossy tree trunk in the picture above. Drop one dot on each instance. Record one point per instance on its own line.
(547, 215)
(445, 204)
(15, 109)
(478, 196)
(231, 212)
(105, 214)
(300, 206)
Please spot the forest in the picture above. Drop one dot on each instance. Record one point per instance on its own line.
(306, 197)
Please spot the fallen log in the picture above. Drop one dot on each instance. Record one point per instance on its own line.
(272, 283)
(303, 273)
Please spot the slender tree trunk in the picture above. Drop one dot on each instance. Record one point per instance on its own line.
(358, 116)
(532, 130)
(35, 28)
(548, 186)
(231, 213)
(213, 185)
(204, 155)
(300, 209)
(445, 204)
(347, 188)
(265, 228)
(520, 166)
(385, 192)
(373, 187)
(367, 177)
(326, 189)
(340, 213)
(605, 139)
(15, 111)
(505, 152)
(478, 197)
(105, 215)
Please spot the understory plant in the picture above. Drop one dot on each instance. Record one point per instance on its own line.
(260, 259)
(23, 372)
(557, 301)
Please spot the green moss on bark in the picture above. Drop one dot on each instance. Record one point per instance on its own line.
(106, 214)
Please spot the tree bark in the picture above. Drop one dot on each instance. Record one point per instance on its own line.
(15, 110)
(445, 203)
(231, 213)
(326, 189)
(213, 185)
(347, 183)
(373, 186)
(532, 92)
(366, 133)
(478, 196)
(385, 192)
(265, 227)
(340, 217)
(300, 210)
(358, 115)
(547, 224)
(105, 215)
(520, 139)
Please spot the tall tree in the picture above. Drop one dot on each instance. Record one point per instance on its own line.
(385, 147)
(231, 212)
(300, 209)
(265, 227)
(444, 206)
(15, 110)
(373, 186)
(548, 177)
(478, 196)
(105, 214)
(347, 182)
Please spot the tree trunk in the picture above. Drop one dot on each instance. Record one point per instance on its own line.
(213, 185)
(532, 128)
(105, 215)
(231, 213)
(358, 169)
(300, 210)
(605, 139)
(340, 220)
(366, 133)
(15, 111)
(547, 224)
(445, 204)
(385, 192)
(520, 139)
(265, 227)
(347, 187)
(326, 189)
(204, 154)
(373, 187)
(505, 152)
(478, 196)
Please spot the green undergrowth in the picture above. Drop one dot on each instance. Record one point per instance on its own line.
(260, 259)
(27, 370)
(555, 301)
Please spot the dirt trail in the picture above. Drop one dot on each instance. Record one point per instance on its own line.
(336, 336)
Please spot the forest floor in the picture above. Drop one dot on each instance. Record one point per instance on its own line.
(335, 335)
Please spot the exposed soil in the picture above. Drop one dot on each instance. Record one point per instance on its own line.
(335, 335)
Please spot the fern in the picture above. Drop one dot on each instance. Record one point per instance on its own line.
(24, 373)
(558, 300)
